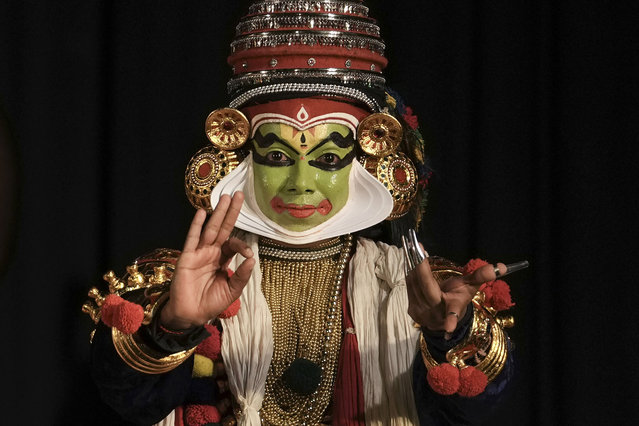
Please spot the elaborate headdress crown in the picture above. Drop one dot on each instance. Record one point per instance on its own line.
(302, 48)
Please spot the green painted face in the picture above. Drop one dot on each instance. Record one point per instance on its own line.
(301, 177)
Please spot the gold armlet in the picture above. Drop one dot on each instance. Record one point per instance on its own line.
(146, 283)
(485, 347)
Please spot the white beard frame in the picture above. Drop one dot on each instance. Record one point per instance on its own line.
(369, 203)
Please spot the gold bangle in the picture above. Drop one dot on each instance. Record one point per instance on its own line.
(141, 357)
(485, 328)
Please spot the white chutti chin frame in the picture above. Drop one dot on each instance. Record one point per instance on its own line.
(369, 203)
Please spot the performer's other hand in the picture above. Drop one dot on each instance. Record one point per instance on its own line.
(201, 288)
(439, 307)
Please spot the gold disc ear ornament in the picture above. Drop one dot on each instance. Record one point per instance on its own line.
(207, 167)
(397, 173)
(227, 128)
(379, 134)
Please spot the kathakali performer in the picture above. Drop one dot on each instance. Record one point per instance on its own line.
(305, 297)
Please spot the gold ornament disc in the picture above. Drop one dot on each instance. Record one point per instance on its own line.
(205, 170)
(379, 134)
(399, 176)
(227, 128)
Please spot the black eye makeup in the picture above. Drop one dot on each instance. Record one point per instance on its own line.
(331, 161)
(273, 159)
(278, 157)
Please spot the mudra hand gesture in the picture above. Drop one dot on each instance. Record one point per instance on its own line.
(439, 306)
(201, 287)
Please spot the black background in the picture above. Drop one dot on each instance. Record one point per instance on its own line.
(529, 109)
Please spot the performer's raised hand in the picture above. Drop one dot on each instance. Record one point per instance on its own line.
(439, 307)
(201, 288)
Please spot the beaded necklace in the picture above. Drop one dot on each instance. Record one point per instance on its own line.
(302, 288)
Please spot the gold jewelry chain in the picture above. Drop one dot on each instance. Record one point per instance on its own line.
(303, 291)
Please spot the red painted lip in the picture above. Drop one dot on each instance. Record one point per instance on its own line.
(301, 211)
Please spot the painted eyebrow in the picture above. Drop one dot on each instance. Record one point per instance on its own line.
(264, 141)
(337, 139)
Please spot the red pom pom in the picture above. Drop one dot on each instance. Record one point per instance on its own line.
(473, 265)
(410, 118)
(472, 382)
(500, 297)
(109, 308)
(200, 414)
(212, 345)
(232, 310)
(128, 317)
(444, 379)
(119, 313)
(487, 289)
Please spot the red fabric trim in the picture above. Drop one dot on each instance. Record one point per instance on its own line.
(179, 416)
(348, 396)
(169, 331)
(296, 56)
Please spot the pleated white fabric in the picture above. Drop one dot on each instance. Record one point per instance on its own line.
(386, 337)
(247, 344)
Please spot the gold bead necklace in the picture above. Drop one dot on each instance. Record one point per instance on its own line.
(303, 290)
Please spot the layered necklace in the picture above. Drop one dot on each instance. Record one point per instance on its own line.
(302, 287)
